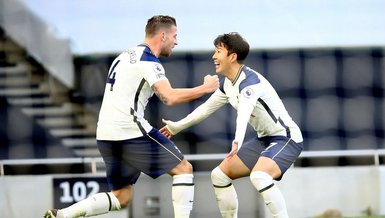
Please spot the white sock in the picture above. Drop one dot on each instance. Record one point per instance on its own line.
(272, 196)
(225, 194)
(97, 204)
(182, 195)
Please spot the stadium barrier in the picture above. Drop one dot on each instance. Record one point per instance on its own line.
(354, 190)
(94, 162)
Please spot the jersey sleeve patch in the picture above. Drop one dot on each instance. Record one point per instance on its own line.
(159, 71)
(248, 92)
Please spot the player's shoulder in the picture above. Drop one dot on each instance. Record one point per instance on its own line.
(249, 77)
(139, 55)
(249, 72)
(146, 54)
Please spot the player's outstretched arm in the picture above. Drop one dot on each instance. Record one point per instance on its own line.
(200, 113)
(172, 96)
(172, 128)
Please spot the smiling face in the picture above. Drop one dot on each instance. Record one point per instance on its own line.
(222, 59)
(230, 52)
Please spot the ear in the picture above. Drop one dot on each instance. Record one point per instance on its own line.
(163, 36)
(233, 57)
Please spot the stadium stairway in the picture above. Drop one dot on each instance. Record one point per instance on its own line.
(26, 87)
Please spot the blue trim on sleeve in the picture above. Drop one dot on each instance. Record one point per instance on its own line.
(251, 78)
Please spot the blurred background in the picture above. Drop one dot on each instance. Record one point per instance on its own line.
(325, 59)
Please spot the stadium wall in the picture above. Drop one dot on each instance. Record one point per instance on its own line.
(355, 191)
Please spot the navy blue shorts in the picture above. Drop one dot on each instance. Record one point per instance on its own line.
(281, 149)
(153, 154)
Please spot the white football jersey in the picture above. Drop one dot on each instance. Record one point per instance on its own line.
(256, 102)
(127, 91)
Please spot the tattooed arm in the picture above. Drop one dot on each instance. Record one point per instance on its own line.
(171, 96)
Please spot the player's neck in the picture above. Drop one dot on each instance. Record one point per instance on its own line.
(153, 45)
(232, 73)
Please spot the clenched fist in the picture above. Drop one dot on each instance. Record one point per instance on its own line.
(211, 83)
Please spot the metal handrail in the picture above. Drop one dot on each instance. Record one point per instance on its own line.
(93, 161)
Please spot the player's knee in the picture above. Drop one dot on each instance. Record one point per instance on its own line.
(219, 178)
(215, 174)
(124, 196)
(124, 202)
(184, 167)
(187, 166)
(261, 180)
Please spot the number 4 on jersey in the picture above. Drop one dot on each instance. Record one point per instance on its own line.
(111, 76)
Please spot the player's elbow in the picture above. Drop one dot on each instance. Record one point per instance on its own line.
(170, 101)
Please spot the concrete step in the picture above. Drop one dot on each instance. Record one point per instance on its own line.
(60, 122)
(30, 90)
(87, 152)
(22, 92)
(30, 102)
(71, 132)
(79, 142)
(19, 69)
(9, 82)
(50, 111)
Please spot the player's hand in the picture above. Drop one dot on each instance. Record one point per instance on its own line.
(211, 83)
(234, 149)
(165, 130)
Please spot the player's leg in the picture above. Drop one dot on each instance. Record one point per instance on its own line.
(170, 160)
(232, 168)
(225, 193)
(97, 204)
(120, 177)
(182, 189)
(279, 155)
(262, 179)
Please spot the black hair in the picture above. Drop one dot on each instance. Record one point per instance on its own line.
(234, 43)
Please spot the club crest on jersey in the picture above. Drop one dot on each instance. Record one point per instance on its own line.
(248, 92)
(158, 69)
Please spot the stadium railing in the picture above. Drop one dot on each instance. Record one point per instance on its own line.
(93, 162)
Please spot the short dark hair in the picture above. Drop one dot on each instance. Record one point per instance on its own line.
(157, 22)
(234, 43)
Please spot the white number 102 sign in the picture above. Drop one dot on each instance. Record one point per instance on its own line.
(71, 190)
